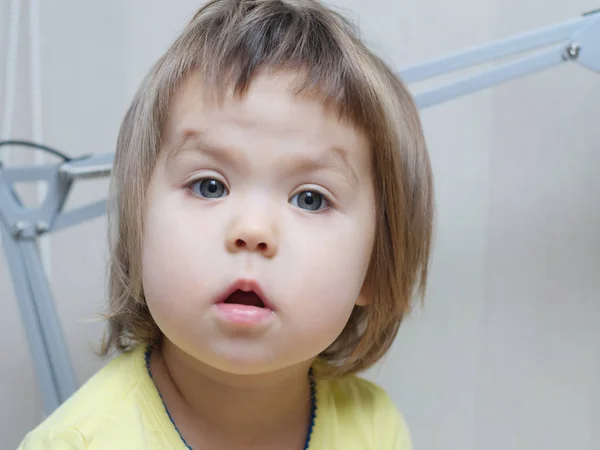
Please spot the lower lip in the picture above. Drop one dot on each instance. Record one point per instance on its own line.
(243, 314)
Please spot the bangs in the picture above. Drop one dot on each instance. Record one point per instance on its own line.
(231, 50)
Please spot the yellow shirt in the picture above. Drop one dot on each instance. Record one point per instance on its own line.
(120, 408)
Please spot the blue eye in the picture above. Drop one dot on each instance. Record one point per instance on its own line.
(209, 188)
(310, 201)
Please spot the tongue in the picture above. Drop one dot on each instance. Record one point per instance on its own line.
(245, 298)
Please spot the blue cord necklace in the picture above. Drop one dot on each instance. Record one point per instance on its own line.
(313, 404)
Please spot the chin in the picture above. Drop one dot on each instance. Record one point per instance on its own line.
(247, 360)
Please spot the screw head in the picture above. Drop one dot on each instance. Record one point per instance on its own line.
(42, 227)
(573, 50)
(19, 228)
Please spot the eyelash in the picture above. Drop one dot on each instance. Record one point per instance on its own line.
(328, 204)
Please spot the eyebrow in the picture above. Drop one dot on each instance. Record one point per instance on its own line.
(196, 141)
(334, 158)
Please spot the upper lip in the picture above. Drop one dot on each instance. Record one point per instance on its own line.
(246, 285)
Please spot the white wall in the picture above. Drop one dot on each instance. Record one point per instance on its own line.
(505, 352)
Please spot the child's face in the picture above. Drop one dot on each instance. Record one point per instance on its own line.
(271, 191)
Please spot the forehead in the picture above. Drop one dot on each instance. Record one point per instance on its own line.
(269, 113)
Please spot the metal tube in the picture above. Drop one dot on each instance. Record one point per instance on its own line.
(500, 49)
(492, 77)
(92, 167)
(79, 215)
(60, 361)
(33, 330)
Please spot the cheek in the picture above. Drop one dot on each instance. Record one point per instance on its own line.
(344, 252)
(328, 273)
(175, 261)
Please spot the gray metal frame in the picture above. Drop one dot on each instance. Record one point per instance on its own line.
(575, 40)
(20, 227)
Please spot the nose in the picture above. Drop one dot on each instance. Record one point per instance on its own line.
(253, 233)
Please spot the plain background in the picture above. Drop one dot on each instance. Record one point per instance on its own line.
(505, 352)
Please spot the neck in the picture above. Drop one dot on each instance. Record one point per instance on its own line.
(223, 409)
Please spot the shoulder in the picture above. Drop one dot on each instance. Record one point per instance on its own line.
(361, 406)
(357, 390)
(357, 396)
(102, 403)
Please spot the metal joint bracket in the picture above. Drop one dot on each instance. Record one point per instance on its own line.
(20, 227)
(588, 40)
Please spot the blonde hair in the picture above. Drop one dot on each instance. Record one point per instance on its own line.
(228, 42)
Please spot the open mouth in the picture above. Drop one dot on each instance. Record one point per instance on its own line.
(249, 298)
(244, 304)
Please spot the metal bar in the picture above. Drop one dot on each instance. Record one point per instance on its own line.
(92, 167)
(491, 77)
(79, 215)
(10, 204)
(60, 361)
(16, 174)
(499, 49)
(33, 330)
(58, 190)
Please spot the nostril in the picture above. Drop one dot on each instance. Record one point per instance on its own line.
(242, 244)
